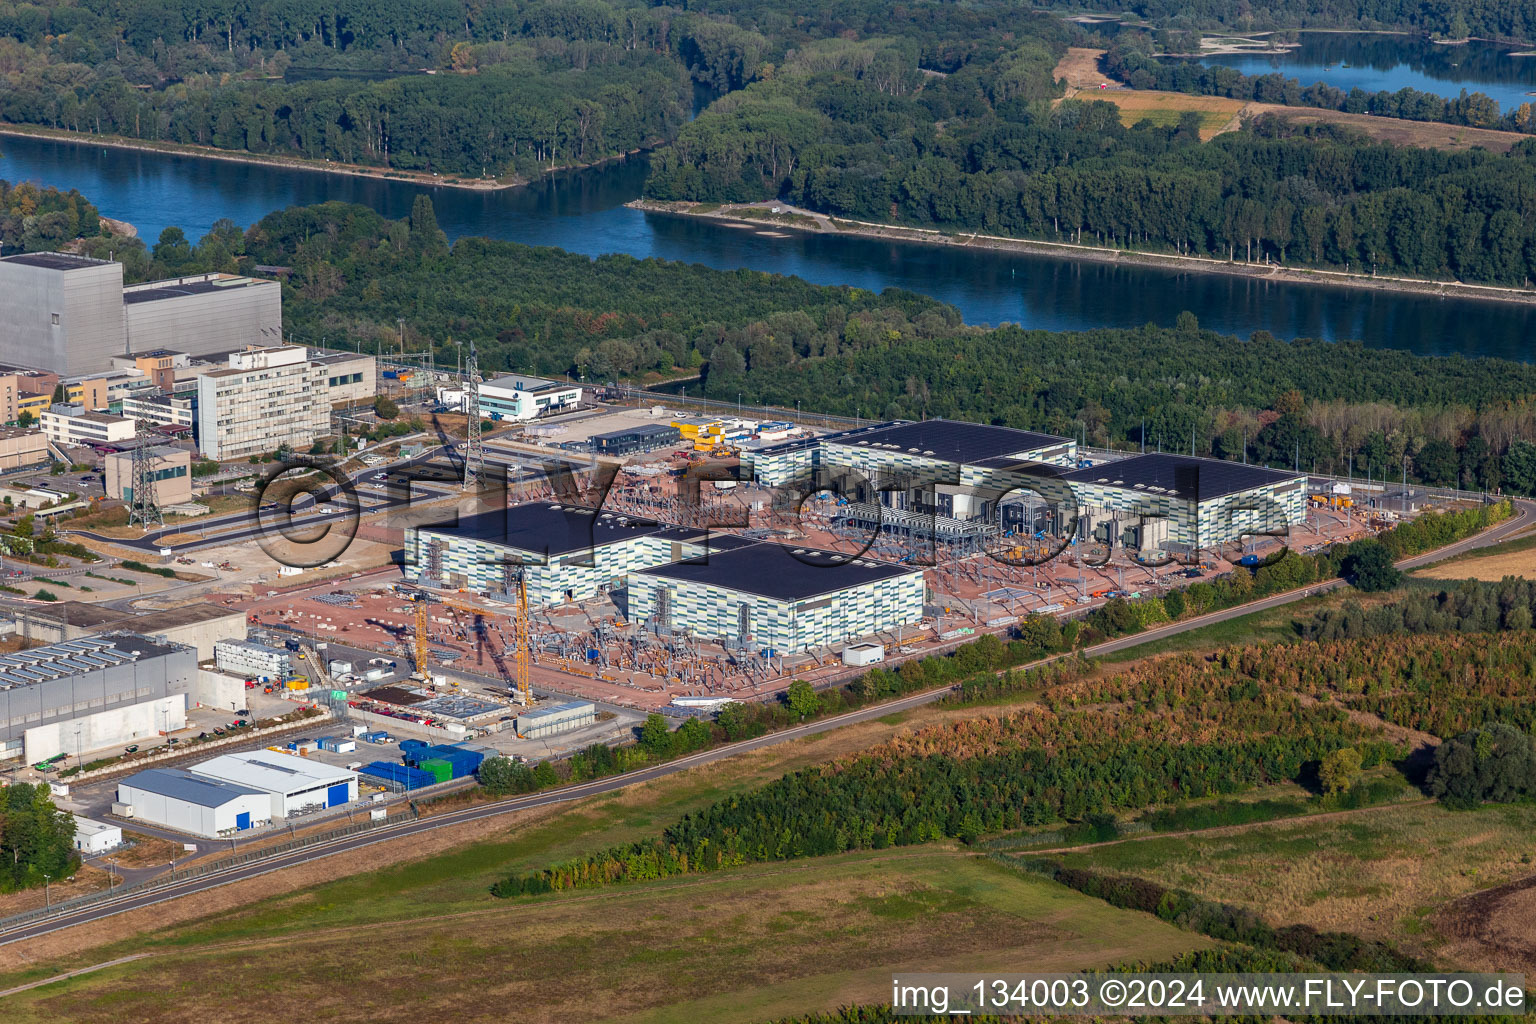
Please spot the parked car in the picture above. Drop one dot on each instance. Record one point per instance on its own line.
(131, 750)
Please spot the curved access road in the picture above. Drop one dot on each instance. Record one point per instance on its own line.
(1524, 518)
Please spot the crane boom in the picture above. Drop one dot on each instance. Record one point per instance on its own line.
(523, 671)
(421, 636)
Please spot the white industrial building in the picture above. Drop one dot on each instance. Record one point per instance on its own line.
(518, 397)
(194, 804)
(94, 837)
(292, 784)
(534, 725)
(246, 658)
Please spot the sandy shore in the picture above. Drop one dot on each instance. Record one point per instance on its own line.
(760, 217)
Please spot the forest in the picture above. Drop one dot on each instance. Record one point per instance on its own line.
(507, 88)
(34, 219)
(38, 836)
(781, 341)
(1486, 19)
(977, 150)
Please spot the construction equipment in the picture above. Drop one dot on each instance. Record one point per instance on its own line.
(523, 671)
(421, 636)
(520, 677)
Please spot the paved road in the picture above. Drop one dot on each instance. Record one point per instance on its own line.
(1524, 518)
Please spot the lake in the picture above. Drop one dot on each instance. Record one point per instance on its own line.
(584, 212)
(1384, 62)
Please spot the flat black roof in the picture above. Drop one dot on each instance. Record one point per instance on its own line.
(648, 430)
(549, 528)
(55, 260)
(1179, 476)
(780, 573)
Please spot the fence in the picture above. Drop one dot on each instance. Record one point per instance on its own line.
(8, 924)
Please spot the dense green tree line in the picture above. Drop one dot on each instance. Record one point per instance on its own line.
(1130, 60)
(33, 219)
(1472, 607)
(1494, 19)
(38, 836)
(1497, 763)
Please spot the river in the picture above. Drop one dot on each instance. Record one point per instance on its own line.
(584, 213)
(1378, 62)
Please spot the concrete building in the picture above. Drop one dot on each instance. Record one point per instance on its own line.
(195, 804)
(93, 693)
(157, 365)
(348, 378)
(73, 426)
(201, 314)
(551, 721)
(767, 596)
(245, 658)
(25, 391)
(96, 837)
(21, 446)
(71, 314)
(570, 553)
(89, 392)
(60, 312)
(151, 405)
(171, 467)
(517, 397)
(265, 398)
(293, 784)
(198, 626)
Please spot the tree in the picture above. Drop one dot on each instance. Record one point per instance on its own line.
(384, 408)
(1339, 770)
(501, 774)
(1368, 567)
(733, 719)
(802, 698)
(1497, 763)
(656, 736)
(544, 775)
(26, 419)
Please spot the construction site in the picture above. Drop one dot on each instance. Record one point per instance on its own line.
(677, 578)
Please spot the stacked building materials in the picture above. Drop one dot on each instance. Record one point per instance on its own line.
(403, 776)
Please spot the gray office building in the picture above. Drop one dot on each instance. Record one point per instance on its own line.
(60, 312)
(71, 314)
(91, 694)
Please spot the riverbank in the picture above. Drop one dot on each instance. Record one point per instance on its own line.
(767, 218)
(291, 163)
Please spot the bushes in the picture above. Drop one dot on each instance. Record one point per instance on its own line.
(1337, 951)
(1497, 763)
(157, 570)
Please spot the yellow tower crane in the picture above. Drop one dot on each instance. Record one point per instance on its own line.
(522, 673)
(421, 635)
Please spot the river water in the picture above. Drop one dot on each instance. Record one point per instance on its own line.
(1383, 62)
(584, 213)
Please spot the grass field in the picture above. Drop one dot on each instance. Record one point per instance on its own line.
(743, 946)
(1379, 873)
(1512, 558)
(1079, 70)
